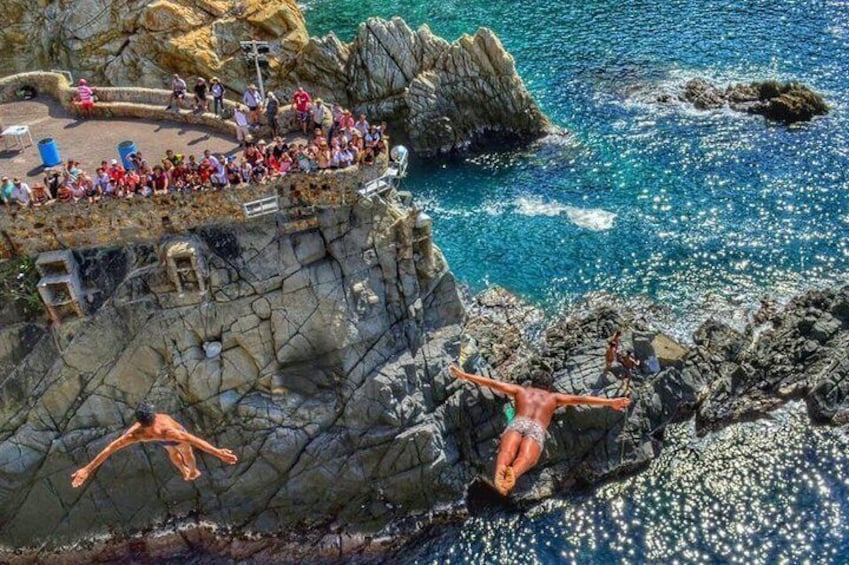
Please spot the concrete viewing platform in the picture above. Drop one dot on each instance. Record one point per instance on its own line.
(90, 141)
(27, 231)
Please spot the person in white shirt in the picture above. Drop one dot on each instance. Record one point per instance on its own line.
(242, 127)
(178, 92)
(217, 90)
(21, 193)
(253, 101)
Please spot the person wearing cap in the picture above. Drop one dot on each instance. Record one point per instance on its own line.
(253, 101)
(201, 103)
(301, 102)
(52, 180)
(86, 98)
(217, 91)
(178, 92)
(242, 128)
(117, 174)
(21, 193)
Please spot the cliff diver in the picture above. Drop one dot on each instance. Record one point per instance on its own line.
(161, 428)
(522, 440)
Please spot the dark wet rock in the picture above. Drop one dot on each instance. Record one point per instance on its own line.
(784, 102)
(703, 95)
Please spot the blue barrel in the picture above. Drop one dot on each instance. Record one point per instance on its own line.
(125, 149)
(49, 152)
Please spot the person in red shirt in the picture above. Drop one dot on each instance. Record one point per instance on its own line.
(302, 101)
(205, 173)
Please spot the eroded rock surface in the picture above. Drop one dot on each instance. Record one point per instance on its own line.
(315, 355)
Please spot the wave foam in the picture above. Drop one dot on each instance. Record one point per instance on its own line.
(594, 219)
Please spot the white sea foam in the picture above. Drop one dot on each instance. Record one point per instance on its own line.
(594, 219)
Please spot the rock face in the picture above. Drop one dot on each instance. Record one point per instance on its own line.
(440, 96)
(141, 43)
(783, 102)
(315, 355)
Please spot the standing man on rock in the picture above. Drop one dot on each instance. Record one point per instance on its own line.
(301, 102)
(522, 440)
(152, 426)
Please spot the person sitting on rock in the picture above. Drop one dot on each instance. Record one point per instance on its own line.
(522, 440)
(86, 98)
(629, 363)
(162, 428)
(178, 93)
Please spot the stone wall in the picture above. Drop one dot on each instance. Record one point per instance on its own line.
(113, 102)
(27, 231)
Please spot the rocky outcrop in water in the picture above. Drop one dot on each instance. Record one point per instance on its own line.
(800, 352)
(445, 95)
(441, 96)
(783, 102)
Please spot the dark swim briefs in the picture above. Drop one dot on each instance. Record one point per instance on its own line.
(169, 443)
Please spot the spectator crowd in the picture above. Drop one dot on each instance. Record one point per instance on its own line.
(334, 140)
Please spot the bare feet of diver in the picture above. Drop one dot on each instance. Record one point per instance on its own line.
(191, 475)
(505, 480)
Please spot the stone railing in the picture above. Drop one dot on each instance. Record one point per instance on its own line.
(125, 102)
(27, 231)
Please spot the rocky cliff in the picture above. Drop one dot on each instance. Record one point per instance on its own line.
(440, 95)
(319, 356)
(313, 354)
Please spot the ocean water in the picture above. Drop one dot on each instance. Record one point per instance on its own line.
(700, 212)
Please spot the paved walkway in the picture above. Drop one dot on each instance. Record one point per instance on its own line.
(90, 141)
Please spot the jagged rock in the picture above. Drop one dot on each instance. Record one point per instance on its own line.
(279, 360)
(142, 43)
(784, 102)
(804, 356)
(440, 96)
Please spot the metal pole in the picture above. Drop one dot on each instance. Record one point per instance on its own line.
(258, 73)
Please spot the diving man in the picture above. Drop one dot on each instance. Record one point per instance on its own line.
(152, 426)
(522, 440)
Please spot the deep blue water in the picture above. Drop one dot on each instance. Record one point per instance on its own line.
(705, 207)
(702, 212)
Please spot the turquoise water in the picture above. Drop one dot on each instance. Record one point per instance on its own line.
(687, 208)
(700, 211)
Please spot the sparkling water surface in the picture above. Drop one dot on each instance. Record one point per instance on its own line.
(702, 212)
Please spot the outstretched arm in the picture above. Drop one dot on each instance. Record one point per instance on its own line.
(620, 403)
(504, 388)
(82, 474)
(185, 437)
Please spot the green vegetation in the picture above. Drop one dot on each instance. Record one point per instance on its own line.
(18, 280)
